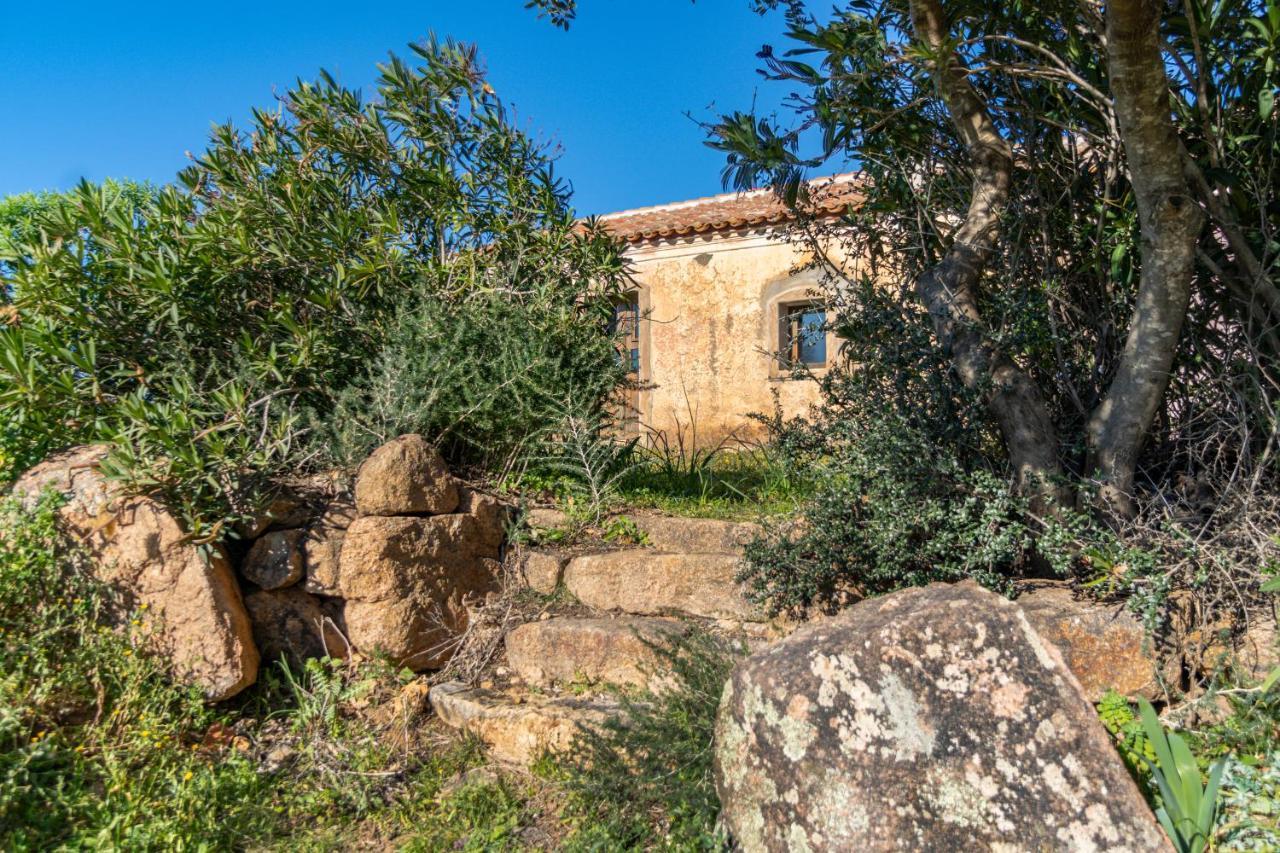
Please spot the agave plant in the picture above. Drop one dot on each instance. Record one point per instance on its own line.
(1187, 809)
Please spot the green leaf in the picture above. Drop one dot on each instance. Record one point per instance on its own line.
(1266, 103)
(1156, 734)
(1117, 259)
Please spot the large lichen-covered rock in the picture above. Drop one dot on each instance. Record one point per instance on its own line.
(405, 476)
(138, 547)
(1104, 645)
(407, 583)
(931, 719)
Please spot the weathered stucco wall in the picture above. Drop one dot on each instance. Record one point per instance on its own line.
(710, 320)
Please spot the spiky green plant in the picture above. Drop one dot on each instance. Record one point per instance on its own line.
(1187, 808)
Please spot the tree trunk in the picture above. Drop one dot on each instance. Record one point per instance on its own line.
(949, 289)
(1170, 221)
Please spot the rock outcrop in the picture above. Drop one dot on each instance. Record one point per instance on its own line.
(136, 545)
(646, 583)
(610, 651)
(931, 719)
(1104, 645)
(405, 476)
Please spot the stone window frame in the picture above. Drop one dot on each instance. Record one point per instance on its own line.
(780, 295)
(638, 294)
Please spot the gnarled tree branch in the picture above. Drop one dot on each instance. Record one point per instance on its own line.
(1170, 222)
(949, 289)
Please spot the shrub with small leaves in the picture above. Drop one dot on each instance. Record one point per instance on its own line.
(891, 510)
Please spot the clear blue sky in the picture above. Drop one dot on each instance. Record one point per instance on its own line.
(124, 89)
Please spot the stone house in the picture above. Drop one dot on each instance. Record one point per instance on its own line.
(723, 302)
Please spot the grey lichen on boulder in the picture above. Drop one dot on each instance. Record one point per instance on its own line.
(931, 719)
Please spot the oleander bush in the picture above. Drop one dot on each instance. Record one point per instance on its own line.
(203, 329)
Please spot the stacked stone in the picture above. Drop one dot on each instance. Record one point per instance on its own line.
(392, 573)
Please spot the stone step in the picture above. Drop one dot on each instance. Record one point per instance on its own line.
(649, 583)
(542, 568)
(518, 728)
(678, 535)
(609, 651)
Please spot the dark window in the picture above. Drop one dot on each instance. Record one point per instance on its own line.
(802, 334)
(626, 326)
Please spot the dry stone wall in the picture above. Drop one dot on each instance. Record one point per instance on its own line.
(395, 572)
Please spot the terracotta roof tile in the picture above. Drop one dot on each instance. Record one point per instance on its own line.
(829, 196)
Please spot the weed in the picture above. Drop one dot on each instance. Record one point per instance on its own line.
(585, 460)
(1131, 740)
(97, 747)
(645, 780)
(1249, 816)
(444, 809)
(624, 530)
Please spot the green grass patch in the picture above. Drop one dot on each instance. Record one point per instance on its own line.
(736, 484)
(99, 749)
